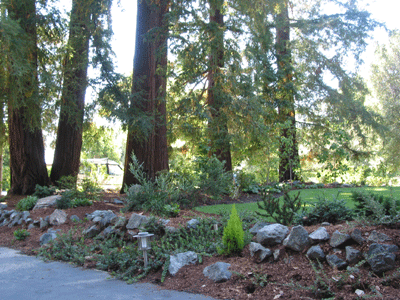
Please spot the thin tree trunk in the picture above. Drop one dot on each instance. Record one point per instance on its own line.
(149, 90)
(288, 151)
(27, 165)
(218, 127)
(1, 169)
(69, 134)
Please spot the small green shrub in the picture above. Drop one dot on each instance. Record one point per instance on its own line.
(27, 203)
(67, 182)
(324, 210)
(171, 210)
(66, 200)
(281, 213)
(81, 202)
(21, 234)
(233, 237)
(363, 199)
(44, 191)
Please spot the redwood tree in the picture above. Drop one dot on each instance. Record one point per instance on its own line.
(27, 165)
(288, 150)
(148, 142)
(218, 127)
(69, 134)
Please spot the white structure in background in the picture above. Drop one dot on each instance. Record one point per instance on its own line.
(108, 172)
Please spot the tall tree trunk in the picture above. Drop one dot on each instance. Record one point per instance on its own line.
(149, 90)
(27, 163)
(288, 151)
(218, 127)
(69, 134)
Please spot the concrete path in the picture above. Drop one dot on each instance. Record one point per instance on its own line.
(25, 277)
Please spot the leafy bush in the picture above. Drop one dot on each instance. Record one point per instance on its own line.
(21, 234)
(44, 191)
(281, 213)
(324, 210)
(81, 202)
(66, 200)
(363, 199)
(67, 182)
(27, 203)
(247, 183)
(233, 237)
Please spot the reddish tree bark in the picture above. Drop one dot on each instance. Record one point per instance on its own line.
(218, 127)
(27, 165)
(149, 90)
(288, 150)
(69, 133)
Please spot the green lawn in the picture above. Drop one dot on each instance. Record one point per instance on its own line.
(308, 195)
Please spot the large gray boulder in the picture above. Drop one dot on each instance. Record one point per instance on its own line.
(58, 217)
(91, 232)
(218, 272)
(180, 260)
(192, 223)
(339, 239)
(263, 252)
(103, 218)
(48, 236)
(319, 235)
(356, 235)
(353, 256)
(297, 239)
(136, 221)
(381, 258)
(46, 202)
(378, 237)
(316, 253)
(257, 227)
(335, 262)
(272, 234)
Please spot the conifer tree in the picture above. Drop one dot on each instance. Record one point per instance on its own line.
(147, 137)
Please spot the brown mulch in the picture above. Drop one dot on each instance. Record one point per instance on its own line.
(291, 277)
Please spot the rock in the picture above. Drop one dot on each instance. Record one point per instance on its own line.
(116, 201)
(297, 239)
(171, 229)
(25, 215)
(378, 237)
(58, 217)
(339, 239)
(3, 206)
(31, 226)
(381, 258)
(353, 256)
(108, 232)
(44, 222)
(218, 272)
(74, 218)
(258, 248)
(50, 201)
(272, 234)
(164, 222)
(192, 223)
(335, 262)
(325, 224)
(319, 235)
(47, 237)
(91, 232)
(346, 185)
(257, 227)
(357, 236)
(181, 259)
(316, 253)
(136, 221)
(134, 189)
(276, 254)
(120, 222)
(109, 218)
(359, 293)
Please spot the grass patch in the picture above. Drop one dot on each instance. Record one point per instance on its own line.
(308, 196)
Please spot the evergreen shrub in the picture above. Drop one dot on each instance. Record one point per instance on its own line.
(27, 203)
(233, 236)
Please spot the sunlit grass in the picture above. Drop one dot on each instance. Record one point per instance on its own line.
(308, 196)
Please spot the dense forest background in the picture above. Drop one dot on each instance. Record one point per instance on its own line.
(269, 90)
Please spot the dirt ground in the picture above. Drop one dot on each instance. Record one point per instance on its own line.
(291, 277)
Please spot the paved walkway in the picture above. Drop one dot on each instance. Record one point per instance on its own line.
(25, 277)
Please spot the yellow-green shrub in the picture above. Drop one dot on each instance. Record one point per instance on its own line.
(233, 237)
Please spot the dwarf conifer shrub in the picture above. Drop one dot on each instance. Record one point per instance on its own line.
(233, 237)
(27, 203)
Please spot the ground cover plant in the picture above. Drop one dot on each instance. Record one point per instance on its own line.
(292, 275)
